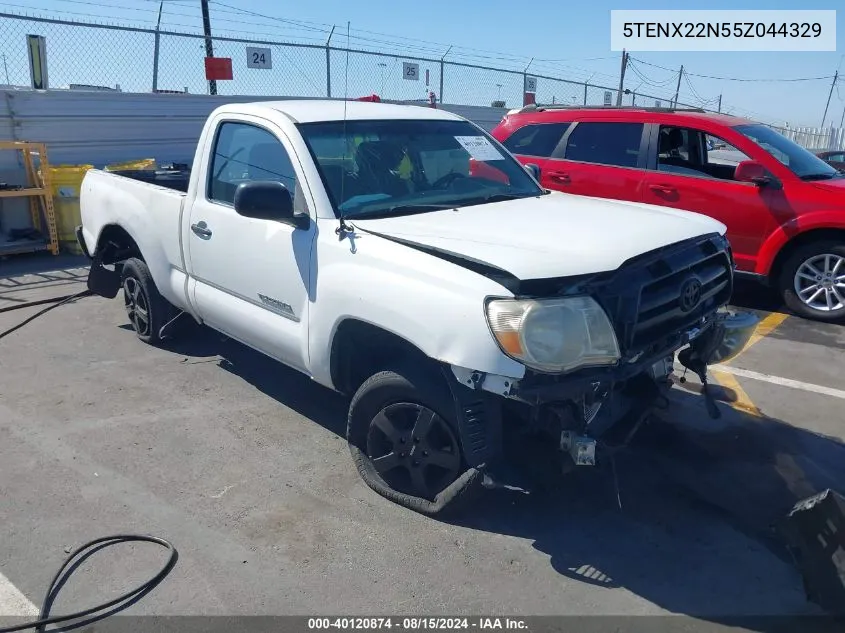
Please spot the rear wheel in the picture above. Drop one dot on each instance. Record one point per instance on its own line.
(812, 283)
(146, 308)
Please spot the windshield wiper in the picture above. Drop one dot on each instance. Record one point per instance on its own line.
(824, 176)
(495, 197)
(397, 210)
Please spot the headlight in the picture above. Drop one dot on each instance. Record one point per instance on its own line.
(554, 335)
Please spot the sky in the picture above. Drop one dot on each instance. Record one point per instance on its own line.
(552, 39)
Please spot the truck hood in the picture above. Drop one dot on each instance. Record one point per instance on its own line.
(556, 235)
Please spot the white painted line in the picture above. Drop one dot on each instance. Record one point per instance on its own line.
(13, 603)
(783, 382)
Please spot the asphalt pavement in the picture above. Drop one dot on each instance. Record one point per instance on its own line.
(241, 463)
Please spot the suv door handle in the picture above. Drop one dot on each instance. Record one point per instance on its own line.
(662, 188)
(560, 176)
(201, 229)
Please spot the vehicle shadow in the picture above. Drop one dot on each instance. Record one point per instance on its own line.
(698, 497)
(199, 344)
(756, 296)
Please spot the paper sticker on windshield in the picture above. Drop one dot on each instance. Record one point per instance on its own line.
(479, 148)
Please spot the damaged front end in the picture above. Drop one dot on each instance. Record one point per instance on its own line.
(666, 303)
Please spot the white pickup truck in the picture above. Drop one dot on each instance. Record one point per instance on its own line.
(400, 255)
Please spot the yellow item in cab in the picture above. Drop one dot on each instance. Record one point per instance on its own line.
(66, 182)
(145, 164)
(405, 168)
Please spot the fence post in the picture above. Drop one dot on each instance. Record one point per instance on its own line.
(329, 64)
(155, 49)
(585, 93)
(442, 71)
(525, 84)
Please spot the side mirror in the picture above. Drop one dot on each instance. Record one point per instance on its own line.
(268, 200)
(752, 171)
(534, 170)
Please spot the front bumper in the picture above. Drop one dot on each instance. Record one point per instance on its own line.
(606, 397)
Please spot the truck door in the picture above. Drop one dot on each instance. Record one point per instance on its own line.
(252, 276)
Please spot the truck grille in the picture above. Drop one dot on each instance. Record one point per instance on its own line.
(657, 294)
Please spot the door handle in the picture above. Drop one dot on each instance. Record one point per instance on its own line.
(560, 176)
(201, 229)
(662, 188)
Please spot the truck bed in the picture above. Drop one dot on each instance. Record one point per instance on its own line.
(150, 211)
(176, 179)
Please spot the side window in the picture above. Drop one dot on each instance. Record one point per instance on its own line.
(244, 152)
(721, 162)
(605, 143)
(536, 140)
(673, 146)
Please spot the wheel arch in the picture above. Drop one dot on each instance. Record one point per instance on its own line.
(359, 349)
(115, 244)
(798, 241)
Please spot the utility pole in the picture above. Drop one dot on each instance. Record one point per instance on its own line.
(621, 78)
(209, 44)
(829, 95)
(678, 87)
(841, 120)
(719, 109)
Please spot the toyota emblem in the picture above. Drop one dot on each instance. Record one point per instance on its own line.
(690, 294)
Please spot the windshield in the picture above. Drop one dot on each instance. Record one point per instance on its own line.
(375, 168)
(801, 162)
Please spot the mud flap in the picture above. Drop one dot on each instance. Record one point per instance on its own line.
(814, 532)
(102, 281)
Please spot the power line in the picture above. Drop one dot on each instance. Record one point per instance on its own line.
(738, 78)
(647, 80)
(434, 48)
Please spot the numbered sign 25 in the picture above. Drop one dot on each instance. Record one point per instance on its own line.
(410, 71)
(259, 58)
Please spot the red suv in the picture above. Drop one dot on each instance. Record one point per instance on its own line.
(783, 206)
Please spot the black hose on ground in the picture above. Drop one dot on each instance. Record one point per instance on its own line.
(105, 609)
(57, 301)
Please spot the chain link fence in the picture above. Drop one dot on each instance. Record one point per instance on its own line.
(82, 54)
(109, 57)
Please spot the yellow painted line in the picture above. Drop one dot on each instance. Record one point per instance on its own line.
(727, 380)
(742, 402)
(763, 329)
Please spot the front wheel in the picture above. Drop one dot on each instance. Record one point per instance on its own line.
(404, 442)
(812, 282)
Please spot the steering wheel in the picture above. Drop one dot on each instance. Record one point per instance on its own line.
(448, 179)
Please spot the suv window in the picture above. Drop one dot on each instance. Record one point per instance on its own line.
(536, 139)
(691, 152)
(244, 152)
(605, 143)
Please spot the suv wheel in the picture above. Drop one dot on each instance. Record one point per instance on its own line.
(812, 283)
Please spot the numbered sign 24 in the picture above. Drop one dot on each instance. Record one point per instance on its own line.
(410, 71)
(259, 58)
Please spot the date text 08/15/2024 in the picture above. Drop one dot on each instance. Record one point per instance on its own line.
(416, 623)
